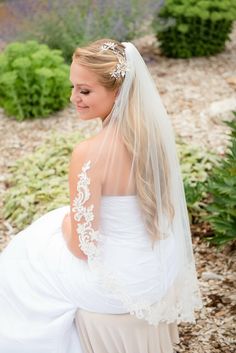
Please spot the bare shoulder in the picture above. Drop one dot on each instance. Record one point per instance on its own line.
(80, 149)
(90, 149)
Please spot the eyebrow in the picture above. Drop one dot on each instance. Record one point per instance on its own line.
(81, 84)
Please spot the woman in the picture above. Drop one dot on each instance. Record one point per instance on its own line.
(124, 243)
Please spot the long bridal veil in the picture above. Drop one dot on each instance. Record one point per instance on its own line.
(140, 119)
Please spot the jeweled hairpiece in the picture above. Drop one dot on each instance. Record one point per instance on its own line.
(121, 67)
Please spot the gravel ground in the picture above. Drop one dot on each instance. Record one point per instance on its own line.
(198, 94)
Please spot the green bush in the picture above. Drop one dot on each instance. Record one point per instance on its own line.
(196, 166)
(34, 81)
(187, 28)
(39, 181)
(222, 188)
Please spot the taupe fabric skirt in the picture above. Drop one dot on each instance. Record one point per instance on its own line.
(123, 333)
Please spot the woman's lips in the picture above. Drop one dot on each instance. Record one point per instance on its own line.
(80, 108)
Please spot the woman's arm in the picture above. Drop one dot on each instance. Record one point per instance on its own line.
(85, 196)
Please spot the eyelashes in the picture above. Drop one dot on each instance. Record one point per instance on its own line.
(85, 92)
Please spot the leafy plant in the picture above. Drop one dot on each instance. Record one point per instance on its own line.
(34, 81)
(187, 28)
(196, 166)
(222, 188)
(39, 182)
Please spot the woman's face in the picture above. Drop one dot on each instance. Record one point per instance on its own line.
(90, 98)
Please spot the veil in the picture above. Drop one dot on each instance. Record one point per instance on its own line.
(151, 142)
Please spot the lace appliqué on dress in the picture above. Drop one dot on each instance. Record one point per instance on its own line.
(88, 238)
(180, 300)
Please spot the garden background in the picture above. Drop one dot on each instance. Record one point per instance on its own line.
(199, 94)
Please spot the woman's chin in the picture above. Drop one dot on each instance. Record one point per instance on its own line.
(86, 116)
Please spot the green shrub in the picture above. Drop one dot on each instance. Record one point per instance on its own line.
(39, 181)
(187, 28)
(196, 166)
(222, 188)
(34, 81)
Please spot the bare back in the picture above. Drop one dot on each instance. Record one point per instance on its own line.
(116, 165)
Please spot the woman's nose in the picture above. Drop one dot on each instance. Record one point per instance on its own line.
(74, 97)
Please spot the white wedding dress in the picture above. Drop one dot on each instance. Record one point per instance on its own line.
(42, 284)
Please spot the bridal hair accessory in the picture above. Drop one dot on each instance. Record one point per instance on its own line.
(121, 67)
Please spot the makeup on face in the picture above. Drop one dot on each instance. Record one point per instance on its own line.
(92, 100)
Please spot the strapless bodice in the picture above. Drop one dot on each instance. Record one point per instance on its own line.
(121, 218)
(127, 248)
(126, 208)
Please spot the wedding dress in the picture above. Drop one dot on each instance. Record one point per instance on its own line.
(42, 283)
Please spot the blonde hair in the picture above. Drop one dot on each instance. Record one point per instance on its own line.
(102, 64)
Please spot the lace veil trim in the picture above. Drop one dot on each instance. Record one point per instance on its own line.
(178, 303)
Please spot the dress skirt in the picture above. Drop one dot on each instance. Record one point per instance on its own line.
(43, 285)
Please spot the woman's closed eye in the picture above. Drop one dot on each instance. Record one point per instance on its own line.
(83, 91)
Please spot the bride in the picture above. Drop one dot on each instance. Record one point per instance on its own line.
(123, 245)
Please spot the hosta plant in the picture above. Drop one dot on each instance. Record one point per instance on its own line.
(39, 181)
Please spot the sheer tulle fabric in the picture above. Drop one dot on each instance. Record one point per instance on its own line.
(177, 298)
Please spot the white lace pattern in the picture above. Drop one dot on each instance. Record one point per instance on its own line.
(88, 238)
(178, 303)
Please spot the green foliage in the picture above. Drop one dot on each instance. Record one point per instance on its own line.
(196, 166)
(39, 182)
(34, 81)
(187, 28)
(222, 188)
(66, 25)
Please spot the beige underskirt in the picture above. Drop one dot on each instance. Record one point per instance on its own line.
(124, 333)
